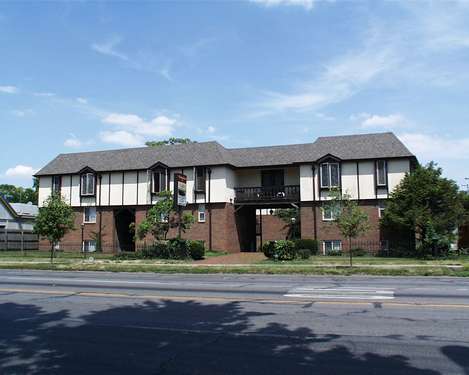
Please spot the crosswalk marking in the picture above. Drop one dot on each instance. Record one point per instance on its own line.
(341, 293)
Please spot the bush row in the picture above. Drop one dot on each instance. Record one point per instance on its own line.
(175, 248)
(289, 250)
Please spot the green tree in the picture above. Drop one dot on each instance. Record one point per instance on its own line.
(350, 219)
(429, 205)
(169, 141)
(54, 220)
(161, 217)
(18, 194)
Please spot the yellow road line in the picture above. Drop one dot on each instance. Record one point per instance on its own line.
(232, 299)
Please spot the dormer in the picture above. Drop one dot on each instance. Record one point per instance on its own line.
(329, 172)
(87, 182)
(159, 178)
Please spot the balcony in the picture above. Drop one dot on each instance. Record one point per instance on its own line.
(277, 194)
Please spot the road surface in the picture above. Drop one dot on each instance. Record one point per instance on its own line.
(113, 323)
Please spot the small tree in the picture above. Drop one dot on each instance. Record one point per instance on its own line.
(429, 205)
(351, 220)
(54, 220)
(161, 217)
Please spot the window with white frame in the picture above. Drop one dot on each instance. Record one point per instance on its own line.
(89, 246)
(56, 184)
(201, 213)
(329, 213)
(200, 178)
(381, 209)
(89, 215)
(87, 184)
(334, 245)
(381, 173)
(330, 175)
(158, 182)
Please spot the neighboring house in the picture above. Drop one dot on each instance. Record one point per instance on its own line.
(225, 187)
(16, 225)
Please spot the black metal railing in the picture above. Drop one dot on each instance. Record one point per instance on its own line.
(287, 193)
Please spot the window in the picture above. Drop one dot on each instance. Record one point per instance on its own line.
(273, 177)
(201, 213)
(89, 215)
(334, 245)
(89, 246)
(87, 184)
(381, 208)
(158, 181)
(56, 184)
(381, 173)
(163, 218)
(330, 175)
(329, 213)
(200, 179)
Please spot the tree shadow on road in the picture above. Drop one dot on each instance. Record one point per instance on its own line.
(171, 337)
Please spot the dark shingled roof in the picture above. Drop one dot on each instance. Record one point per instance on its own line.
(349, 147)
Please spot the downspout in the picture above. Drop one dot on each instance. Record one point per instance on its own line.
(101, 215)
(209, 210)
(314, 206)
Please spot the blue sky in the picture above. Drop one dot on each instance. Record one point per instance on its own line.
(79, 76)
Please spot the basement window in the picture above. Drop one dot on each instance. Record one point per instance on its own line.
(89, 246)
(334, 245)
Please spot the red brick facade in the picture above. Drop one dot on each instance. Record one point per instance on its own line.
(232, 230)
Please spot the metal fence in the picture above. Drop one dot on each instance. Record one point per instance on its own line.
(18, 240)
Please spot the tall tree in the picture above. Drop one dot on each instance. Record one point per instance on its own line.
(54, 220)
(169, 141)
(350, 219)
(161, 217)
(18, 194)
(429, 205)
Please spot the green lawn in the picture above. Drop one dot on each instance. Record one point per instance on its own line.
(317, 265)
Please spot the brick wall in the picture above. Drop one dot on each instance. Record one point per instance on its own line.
(273, 228)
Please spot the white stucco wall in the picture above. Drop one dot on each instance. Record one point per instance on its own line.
(367, 179)
(397, 170)
(349, 179)
(45, 189)
(306, 182)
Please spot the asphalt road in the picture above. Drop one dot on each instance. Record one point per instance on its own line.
(112, 323)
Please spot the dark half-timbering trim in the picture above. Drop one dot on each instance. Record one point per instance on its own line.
(71, 182)
(138, 173)
(109, 189)
(123, 183)
(358, 180)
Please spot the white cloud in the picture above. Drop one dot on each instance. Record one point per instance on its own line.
(122, 138)
(307, 4)
(73, 142)
(436, 147)
(385, 122)
(159, 126)
(44, 94)
(109, 49)
(82, 100)
(9, 89)
(339, 80)
(22, 112)
(211, 129)
(20, 171)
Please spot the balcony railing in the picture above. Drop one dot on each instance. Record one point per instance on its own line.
(286, 193)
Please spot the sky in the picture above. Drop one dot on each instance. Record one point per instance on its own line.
(83, 76)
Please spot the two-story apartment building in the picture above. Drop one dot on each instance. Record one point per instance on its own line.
(109, 190)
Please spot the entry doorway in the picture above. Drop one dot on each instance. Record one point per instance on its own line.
(123, 219)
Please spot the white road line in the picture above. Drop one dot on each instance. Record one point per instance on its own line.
(340, 293)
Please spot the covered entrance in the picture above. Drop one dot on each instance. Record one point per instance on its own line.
(123, 218)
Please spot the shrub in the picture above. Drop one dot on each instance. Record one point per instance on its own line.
(178, 249)
(311, 245)
(268, 248)
(279, 250)
(196, 249)
(303, 253)
(157, 250)
(358, 252)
